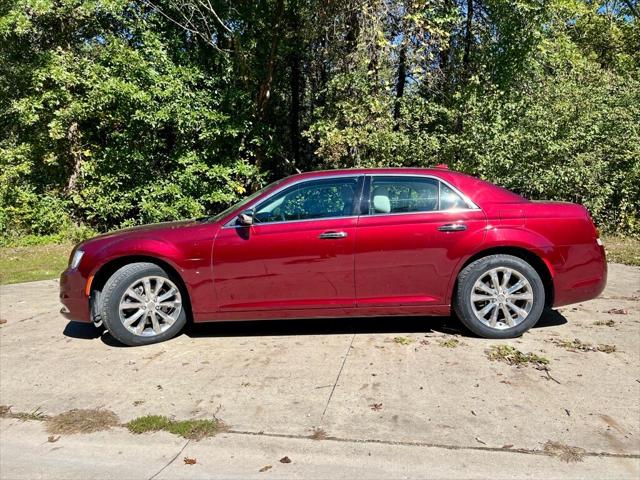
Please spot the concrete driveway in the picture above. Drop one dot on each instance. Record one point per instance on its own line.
(395, 397)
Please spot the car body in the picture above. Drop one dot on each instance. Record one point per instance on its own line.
(348, 243)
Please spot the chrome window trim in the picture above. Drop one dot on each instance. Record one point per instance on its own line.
(472, 207)
(292, 184)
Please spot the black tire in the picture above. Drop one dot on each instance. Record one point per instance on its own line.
(475, 270)
(114, 289)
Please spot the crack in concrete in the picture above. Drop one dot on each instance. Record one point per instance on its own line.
(170, 461)
(344, 360)
(526, 451)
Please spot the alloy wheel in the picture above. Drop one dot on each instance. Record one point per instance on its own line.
(150, 305)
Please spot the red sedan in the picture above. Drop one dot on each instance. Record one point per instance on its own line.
(343, 243)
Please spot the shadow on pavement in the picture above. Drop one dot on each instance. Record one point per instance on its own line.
(317, 326)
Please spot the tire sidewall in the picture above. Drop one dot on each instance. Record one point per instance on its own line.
(113, 292)
(477, 269)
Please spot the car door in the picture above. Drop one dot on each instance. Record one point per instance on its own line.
(297, 254)
(413, 232)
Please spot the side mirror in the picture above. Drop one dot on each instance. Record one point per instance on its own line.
(245, 218)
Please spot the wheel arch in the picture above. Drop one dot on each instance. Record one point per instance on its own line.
(528, 256)
(106, 270)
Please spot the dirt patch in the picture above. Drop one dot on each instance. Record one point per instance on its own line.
(564, 452)
(513, 356)
(605, 323)
(82, 421)
(191, 429)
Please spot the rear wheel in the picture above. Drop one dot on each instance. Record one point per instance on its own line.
(499, 296)
(141, 304)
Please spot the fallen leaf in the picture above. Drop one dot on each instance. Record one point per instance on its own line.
(2, 321)
(265, 468)
(473, 413)
(618, 311)
(480, 441)
(508, 445)
(285, 459)
(53, 438)
(376, 406)
(189, 461)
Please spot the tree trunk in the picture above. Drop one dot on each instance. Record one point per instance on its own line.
(468, 40)
(295, 86)
(400, 83)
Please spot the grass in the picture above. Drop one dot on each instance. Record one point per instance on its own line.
(564, 452)
(451, 343)
(318, 433)
(37, 262)
(513, 356)
(402, 340)
(622, 249)
(82, 421)
(580, 346)
(191, 429)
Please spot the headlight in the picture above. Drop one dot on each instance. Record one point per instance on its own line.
(77, 257)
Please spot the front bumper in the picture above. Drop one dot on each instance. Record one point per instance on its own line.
(72, 295)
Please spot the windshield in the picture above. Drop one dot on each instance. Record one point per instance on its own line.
(244, 201)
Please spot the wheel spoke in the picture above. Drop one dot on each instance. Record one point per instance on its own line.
(507, 316)
(481, 298)
(159, 284)
(131, 320)
(515, 287)
(147, 289)
(506, 276)
(155, 323)
(170, 304)
(521, 296)
(486, 309)
(133, 294)
(485, 288)
(494, 280)
(519, 311)
(494, 316)
(130, 305)
(141, 326)
(170, 293)
(167, 318)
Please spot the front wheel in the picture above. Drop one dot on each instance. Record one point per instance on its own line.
(499, 296)
(141, 304)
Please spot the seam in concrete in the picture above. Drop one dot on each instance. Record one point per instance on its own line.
(344, 360)
(170, 461)
(444, 446)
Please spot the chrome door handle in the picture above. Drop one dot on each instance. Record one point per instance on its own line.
(332, 235)
(452, 227)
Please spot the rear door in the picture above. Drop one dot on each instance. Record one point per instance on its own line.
(413, 232)
(298, 254)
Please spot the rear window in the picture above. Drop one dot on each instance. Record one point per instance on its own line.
(407, 194)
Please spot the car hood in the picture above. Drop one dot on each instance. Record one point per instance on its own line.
(157, 230)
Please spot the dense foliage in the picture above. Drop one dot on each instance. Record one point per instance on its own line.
(117, 112)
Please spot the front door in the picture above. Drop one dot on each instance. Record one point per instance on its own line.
(298, 254)
(416, 230)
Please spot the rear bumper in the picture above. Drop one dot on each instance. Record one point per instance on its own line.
(583, 275)
(75, 302)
